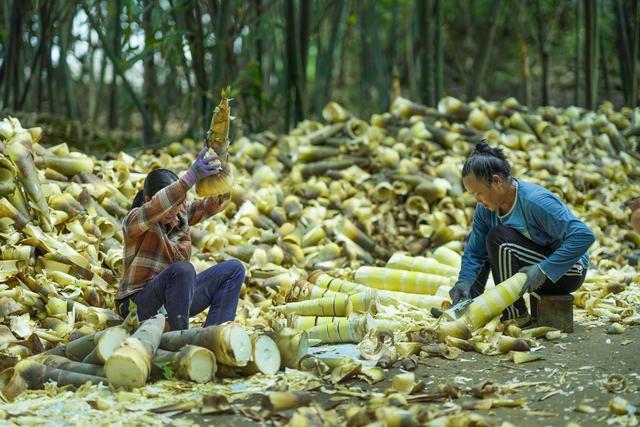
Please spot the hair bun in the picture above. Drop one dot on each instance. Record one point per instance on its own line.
(483, 148)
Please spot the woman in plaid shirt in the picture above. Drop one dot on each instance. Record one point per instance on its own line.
(157, 248)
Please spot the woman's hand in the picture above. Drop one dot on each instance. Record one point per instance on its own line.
(205, 166)
(202, 167)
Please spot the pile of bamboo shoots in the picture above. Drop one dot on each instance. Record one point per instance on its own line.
(351, 231)
(131, 354)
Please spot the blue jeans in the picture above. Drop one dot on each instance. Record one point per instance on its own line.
(185, 293)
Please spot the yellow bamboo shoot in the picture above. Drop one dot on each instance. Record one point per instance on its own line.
(331, 306)
(447, 256)
(421, 264)
(400, 280)
(493, 301)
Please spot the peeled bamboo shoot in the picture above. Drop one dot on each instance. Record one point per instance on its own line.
(400, 280)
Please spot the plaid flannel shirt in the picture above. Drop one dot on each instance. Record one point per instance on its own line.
(151, 246)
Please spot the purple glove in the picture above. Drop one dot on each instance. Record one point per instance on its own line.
(202, 167)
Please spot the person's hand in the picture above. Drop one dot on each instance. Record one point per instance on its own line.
(461, 291)
(535, 278)
(202, 167)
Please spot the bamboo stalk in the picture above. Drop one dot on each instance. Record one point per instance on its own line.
(105, 344)
(65, 364)
(229, 342)
(129, 365)
(28, 374)
(265, 358)
(191, 363)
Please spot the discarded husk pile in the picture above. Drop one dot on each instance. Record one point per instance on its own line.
(351, 231)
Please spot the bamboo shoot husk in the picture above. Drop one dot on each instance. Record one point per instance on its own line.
(191, 363)
(293, 346)
(8, 210)
(28, 176)
(129, 365)
(69, 165)
(229, 342)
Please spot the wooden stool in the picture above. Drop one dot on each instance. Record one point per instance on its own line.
(555, 311)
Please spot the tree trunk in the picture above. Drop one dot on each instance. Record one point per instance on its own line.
(604, 66)
(257, 4)
(11, 63)
(424, 36)
(390, 48)
(483, 52)
(543, 45)
(293, 73)
(578, 57)
(66, 34)
(149, 85)
(381, 78)
(305, 20)
(591, 52)
(220, 77)
(634, 54)
(99, 90)
(439, 51)
(335, 48)
(113, 91)
(409, 50)
(624, 51)
(196, 47)
(116, 64)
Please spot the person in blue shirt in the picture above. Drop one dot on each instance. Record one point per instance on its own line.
(518, 227)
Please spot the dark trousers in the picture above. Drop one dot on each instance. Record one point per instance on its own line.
(508, 252)
(185, 293)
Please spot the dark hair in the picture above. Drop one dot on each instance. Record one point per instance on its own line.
(155, 181)
(486, 161)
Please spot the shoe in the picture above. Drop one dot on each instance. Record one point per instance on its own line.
(436, 312)
(521, 319)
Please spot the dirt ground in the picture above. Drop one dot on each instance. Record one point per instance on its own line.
(572, 372)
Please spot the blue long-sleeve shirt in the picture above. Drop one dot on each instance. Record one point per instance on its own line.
(540, 216)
